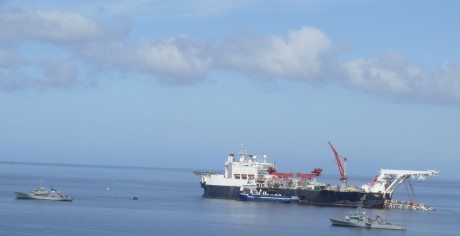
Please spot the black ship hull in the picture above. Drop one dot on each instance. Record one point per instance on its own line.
(312, 197)
(336, 198)
(223, 192)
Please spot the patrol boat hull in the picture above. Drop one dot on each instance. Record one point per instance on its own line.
(41, 193)
(21, 195)
(369, 224)
(359, 218)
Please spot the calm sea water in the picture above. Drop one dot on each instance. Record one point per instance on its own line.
(170, 203)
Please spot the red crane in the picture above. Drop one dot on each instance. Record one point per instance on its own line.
(314, 173)
(343, 174)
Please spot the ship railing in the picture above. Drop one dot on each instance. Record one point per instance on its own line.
(206, 172)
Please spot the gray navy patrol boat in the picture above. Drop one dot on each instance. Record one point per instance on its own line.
(42, 193)
(358, 218)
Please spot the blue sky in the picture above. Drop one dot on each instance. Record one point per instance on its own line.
(184, 83)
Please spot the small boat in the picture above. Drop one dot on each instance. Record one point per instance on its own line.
(359, 218)
(42, 193)
(252, 193)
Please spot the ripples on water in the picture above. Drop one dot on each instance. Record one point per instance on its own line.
(170, 203)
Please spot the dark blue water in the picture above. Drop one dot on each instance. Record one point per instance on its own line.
(170, 203)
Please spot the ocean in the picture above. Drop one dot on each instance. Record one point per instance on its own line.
(170, 203)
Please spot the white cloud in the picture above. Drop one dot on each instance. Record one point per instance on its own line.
(60, 74)
(306, 54)
(14, 81)
(177, 60)
(442, 85)
(388, 73)
(50, 26)
(55, 29)
(392, 74)
(49, 74)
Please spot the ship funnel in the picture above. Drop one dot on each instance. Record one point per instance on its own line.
(230, 158)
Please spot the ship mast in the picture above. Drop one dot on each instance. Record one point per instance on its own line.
(242, 153)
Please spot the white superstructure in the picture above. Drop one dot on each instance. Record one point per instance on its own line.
(389, 180)
(246, 169)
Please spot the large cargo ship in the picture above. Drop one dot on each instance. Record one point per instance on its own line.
(251, 169)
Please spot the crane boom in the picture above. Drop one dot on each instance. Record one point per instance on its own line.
(343, 174)
(389, 180)
(339, 164)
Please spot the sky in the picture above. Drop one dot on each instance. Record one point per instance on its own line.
(181, 84)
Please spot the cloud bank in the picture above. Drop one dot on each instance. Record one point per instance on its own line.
(304, 55)
(75, 45)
